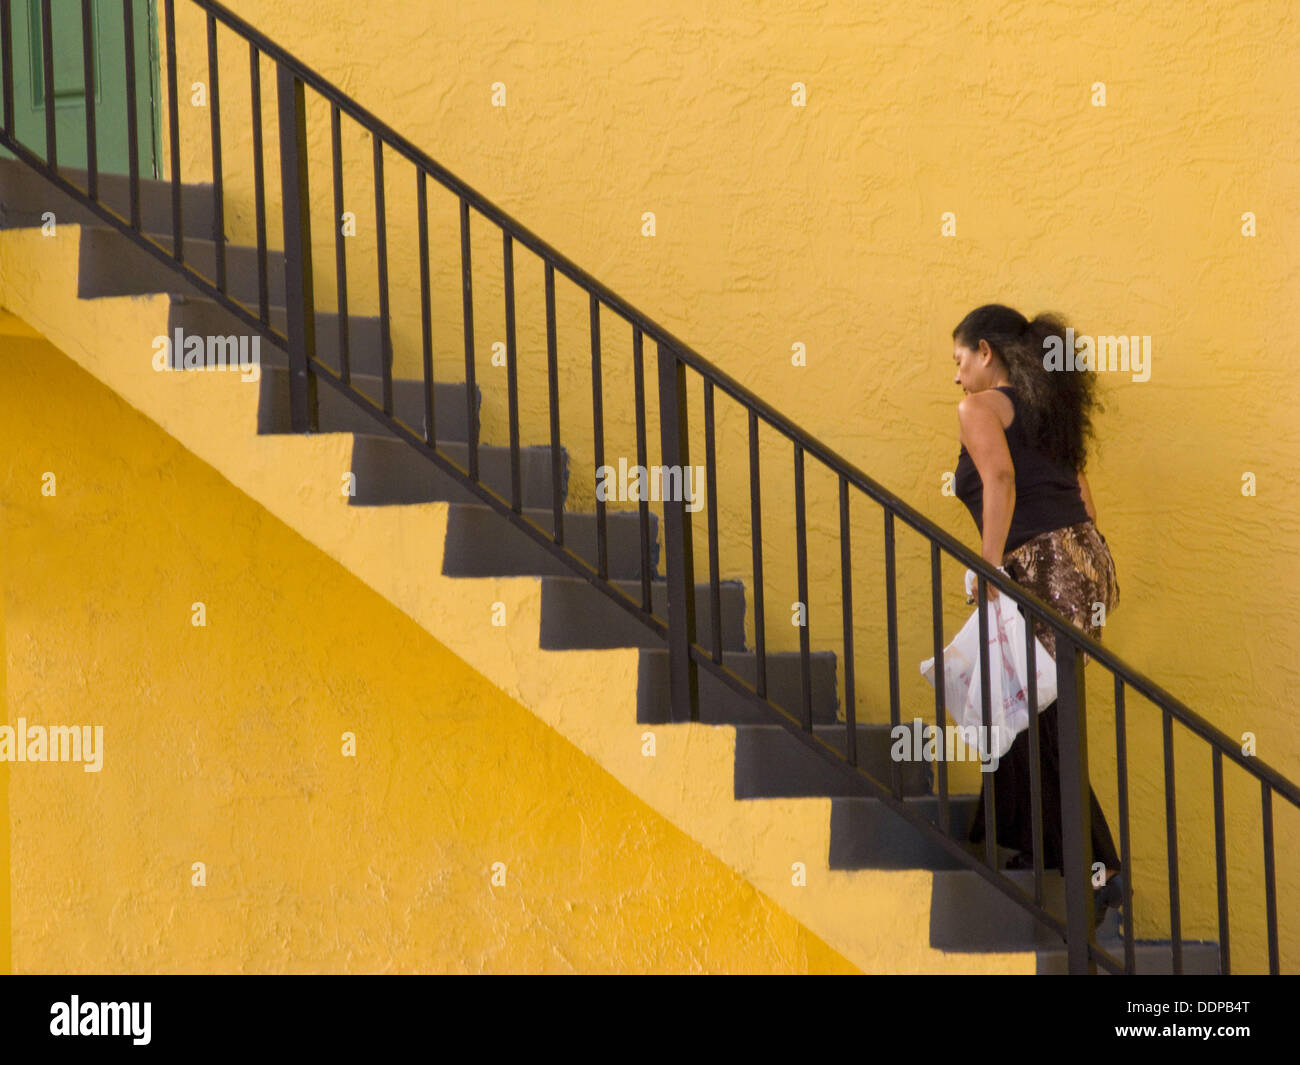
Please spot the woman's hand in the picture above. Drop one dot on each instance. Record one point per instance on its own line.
(989, 587)
(972, 585)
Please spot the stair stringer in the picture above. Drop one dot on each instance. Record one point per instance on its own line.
(878, 919)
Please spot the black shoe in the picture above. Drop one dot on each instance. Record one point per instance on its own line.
(1109, 894)
(1023, 860)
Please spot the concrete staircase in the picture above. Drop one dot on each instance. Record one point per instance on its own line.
(966, 916)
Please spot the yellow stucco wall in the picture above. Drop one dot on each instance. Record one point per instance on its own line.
(223, 745)
(822, 225)
(10, 327)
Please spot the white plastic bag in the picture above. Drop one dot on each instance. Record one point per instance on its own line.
(1008, 675)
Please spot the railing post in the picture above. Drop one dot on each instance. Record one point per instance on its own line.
(47, 83)
(683, 686)
(300, 311)
(1076, 806)
(7, 66)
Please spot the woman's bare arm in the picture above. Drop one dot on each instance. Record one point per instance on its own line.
(982, 433)
(1087, 497)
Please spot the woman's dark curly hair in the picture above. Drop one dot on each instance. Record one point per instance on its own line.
(1057, 405)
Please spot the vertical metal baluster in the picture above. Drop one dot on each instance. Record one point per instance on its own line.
(471, 388)
(47, 68)
(598, 434)
(1220, 862)
(1125, 849)
(426, 303)
(381, 254)
(299, 291)
(940, 689)
(674, 432)
(989, 808)
(512, 372)
(174, 132)
(891, 622)
(1076, 805)
(756, 535)
(214, 113)
(1171, 836)
(340, 250)
(643, 507)
(259, 185)
(553, 398)
(801, 561)
(132, 118)
(710, 485)
(1270, 876)
(1035, 758)
(7, 65)
(88, 77)
(846, 603)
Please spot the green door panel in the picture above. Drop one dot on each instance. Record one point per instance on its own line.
(108, 42)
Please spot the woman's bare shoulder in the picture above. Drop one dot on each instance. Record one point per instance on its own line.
(990, 400)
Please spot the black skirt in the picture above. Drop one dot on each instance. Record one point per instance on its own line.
(1012, 804)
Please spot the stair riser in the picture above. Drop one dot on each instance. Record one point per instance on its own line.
(1151, 959)
(866, 834)
(481, 543)
(576, 616)
(25, 197)
(112, 266)
(772, 764)
(337, 413)
(391, 472)
(205, 317)
(721, 705)
(969, 914)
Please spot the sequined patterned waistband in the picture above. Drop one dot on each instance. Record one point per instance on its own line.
(1072, 569)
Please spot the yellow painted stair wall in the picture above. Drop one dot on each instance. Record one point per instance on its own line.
(223, 744)
(877, 919)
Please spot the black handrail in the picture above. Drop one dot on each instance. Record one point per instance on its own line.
(686, 655)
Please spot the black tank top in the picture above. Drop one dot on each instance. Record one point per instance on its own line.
(1047, 493)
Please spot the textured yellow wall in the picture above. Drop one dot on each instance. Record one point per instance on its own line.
(822, 225)
(10, 327)
(222, 745)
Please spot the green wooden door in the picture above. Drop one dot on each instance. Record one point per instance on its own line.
(108, 40)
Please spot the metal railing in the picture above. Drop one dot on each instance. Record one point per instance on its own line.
(689, 651)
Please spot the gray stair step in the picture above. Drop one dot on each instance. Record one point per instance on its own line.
(575, 615)
(336, 413)
(867, 834)
(111, 265)
(1151, 958)
(969, 914)
(483, 543)
(25, 196)
(772, 764)
(206, 317)
(390, 471)
(720, 705)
